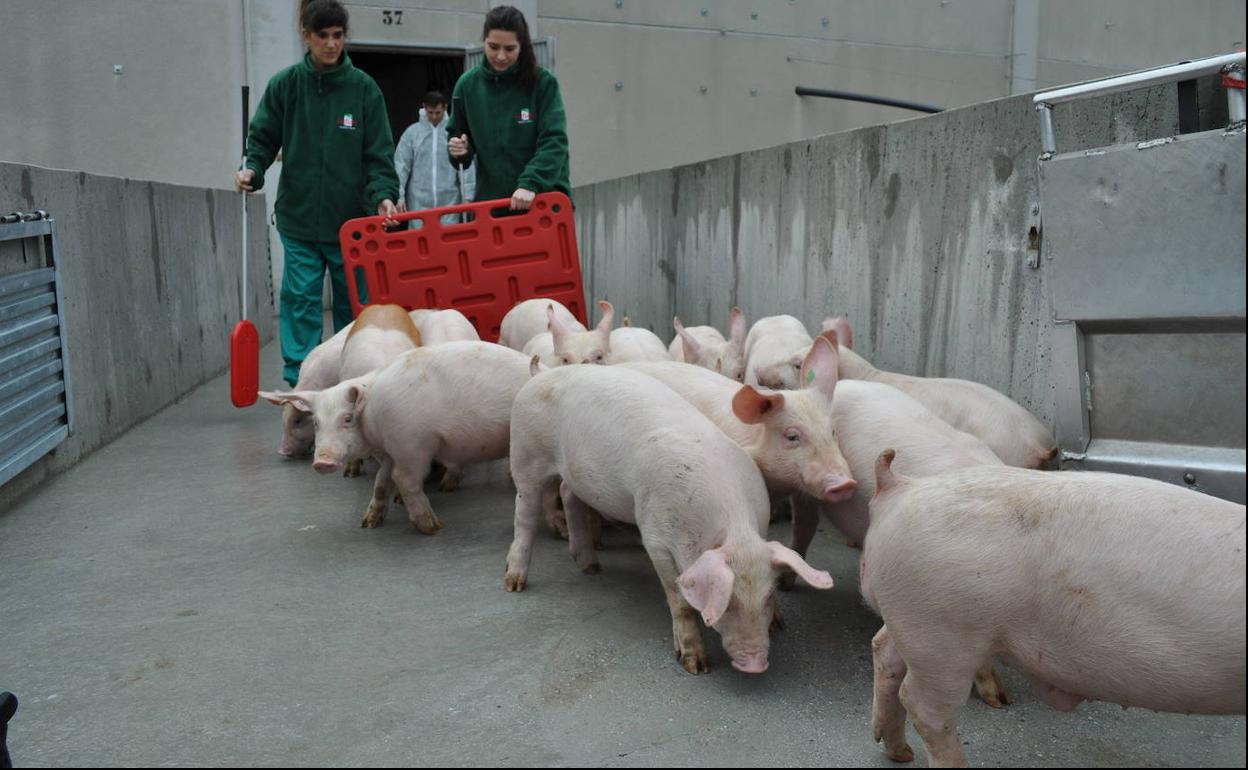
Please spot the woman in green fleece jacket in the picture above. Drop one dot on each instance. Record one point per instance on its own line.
(329, 121)
(517, 132)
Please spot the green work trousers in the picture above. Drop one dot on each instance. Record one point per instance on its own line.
(302, 319)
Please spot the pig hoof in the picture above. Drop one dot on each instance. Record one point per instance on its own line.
(695, 663)
(514, 583)
(593, 568)
(372, 520)
(991, 689)
(904, 754)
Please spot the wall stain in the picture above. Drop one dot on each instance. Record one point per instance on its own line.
(212, 220)
(1002, 166)
(26, 189)
(736, 229)
(890, 195)
(157, 269)
(668, 270)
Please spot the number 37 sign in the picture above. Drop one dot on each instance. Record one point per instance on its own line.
(373, 25)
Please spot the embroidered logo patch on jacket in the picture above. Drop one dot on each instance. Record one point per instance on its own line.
(525, 116)
(347, 121)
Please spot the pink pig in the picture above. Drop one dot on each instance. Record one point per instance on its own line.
(530, 318)
(1100, 587)
(1013, 433)
(774, 351)
(449, 402)
(704, 346)
(629, 447)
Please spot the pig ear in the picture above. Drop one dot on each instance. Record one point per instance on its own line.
(751, 407)
(356, 395)
(819, 369)
(608, 317)
(783, 556)
(299, 399)
(536, 366)
(840, 325)
(692, 350)
(738, 331)
(707, 585)
(557, 328)
(884, 475)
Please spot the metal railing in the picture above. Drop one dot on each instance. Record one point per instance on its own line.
(1230, 65)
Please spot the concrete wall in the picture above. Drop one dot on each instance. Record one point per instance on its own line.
(691, 85)
(919, 231)
(150, 274)
(171, 115)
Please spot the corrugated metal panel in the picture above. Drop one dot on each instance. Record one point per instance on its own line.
(545, 50)
(35, 410)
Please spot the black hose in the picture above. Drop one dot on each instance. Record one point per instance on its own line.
(853, 97)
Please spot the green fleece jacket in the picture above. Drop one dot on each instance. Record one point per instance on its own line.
(517, 137)
(337, 153)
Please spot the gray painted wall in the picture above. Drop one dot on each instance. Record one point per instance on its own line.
(918, 231)
(151, 279)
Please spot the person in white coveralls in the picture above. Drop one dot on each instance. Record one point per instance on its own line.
(426, 177)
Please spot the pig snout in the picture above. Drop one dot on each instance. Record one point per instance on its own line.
(839, 489)
(325, 465)
(752, 662)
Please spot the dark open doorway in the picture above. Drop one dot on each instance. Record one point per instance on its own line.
(405, 76)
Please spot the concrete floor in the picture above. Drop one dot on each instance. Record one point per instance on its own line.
(186, 597)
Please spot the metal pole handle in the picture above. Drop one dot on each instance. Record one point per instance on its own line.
(246, 110)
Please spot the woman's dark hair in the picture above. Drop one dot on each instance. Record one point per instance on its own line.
(509, 19)
(316, 15)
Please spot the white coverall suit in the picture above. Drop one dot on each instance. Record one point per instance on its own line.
(426, 177)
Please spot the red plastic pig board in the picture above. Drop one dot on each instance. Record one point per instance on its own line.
(481, 268)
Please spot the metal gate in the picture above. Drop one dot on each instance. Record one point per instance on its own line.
(1144, 249)
(36, 408)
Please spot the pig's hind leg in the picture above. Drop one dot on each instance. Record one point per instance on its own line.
(552, 508)
(409, 475)
(941, 665)
(580, 534)
(531, 489)
(383, 489)
(888, 717)
(990, 688)
(452, 478)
